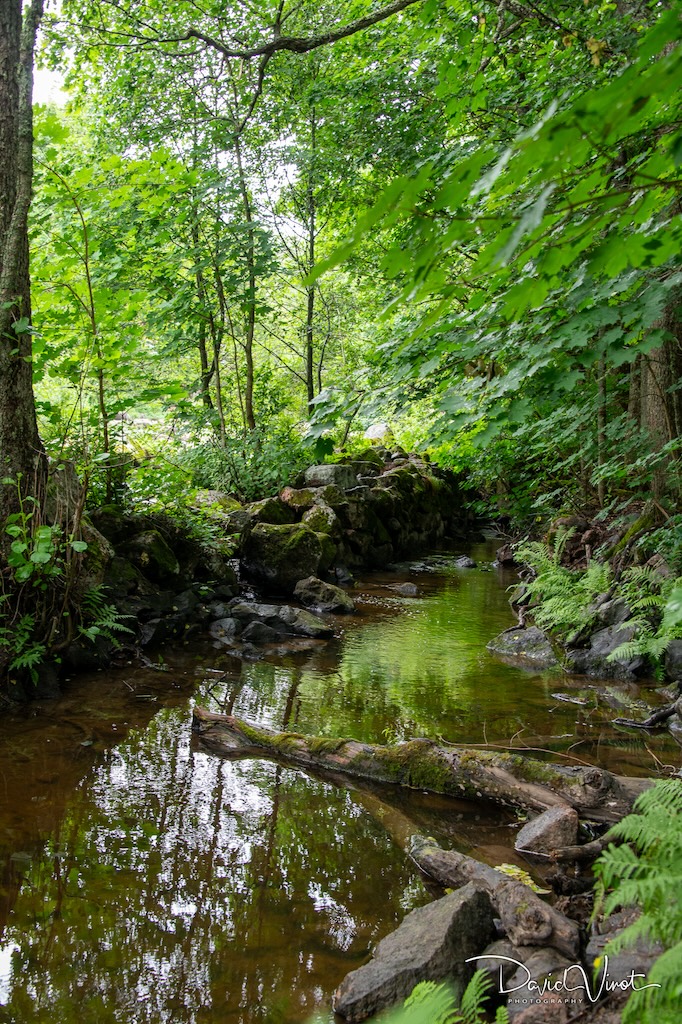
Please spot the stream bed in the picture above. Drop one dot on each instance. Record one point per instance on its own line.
(145, 881)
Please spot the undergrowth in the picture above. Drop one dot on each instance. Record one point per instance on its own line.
(645, 873)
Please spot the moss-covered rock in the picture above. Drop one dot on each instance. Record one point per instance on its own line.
(281, 555)
(299, 498)
(322, 519)
(150, 553)
(271, 510)
(323, 597)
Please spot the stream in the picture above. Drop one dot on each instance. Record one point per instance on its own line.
(144, 881)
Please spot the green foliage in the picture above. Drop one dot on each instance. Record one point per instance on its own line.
(432, 1003)
(646, 873)
(648, 595)
(100, 617)
(565, 595)
(251, 465)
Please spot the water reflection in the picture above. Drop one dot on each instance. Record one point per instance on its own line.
(144, 881)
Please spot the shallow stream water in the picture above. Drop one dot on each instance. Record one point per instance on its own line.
(145, 881)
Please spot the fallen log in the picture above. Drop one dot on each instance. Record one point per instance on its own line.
(527, 920)
(503, 778)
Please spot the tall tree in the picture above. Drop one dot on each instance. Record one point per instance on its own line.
(21, 451)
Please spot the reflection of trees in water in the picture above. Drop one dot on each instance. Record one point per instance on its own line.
(188, 888)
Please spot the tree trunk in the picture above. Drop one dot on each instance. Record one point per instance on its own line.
(526, 919)
(21, 451)
(310, 288)
(661, 400)
(251, 292)
(466, 773)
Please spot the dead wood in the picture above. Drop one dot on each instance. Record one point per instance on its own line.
(503, 778)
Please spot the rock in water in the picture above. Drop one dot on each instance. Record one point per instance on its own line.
(432, 943)
(323, 597)
(525, 645)
(551, 830)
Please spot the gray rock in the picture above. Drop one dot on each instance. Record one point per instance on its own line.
(432, 943)
(224, 629)
(499, 970)
(259, 633)
(638, 958)
(152, 556)
(283, 618)
(551, 830)
(593, 660)
(526, 645)
(464, 562)
(673, 660)
(613, 613)
(323, 597)
(408, 589)
(335, 473)
(525, 1004)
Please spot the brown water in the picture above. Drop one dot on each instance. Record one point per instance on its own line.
(144, 881)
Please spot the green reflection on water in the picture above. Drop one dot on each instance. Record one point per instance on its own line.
(148, 882)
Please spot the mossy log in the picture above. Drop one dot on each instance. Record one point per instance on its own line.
(503, 778)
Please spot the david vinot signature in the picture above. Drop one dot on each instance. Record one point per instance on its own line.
(573, 979)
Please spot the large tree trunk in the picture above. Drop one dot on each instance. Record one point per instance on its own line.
(466, 773)
(21, 451)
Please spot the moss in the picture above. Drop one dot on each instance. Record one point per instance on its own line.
(418, 764)
(530, 770)
(325, 744)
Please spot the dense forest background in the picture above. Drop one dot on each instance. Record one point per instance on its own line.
(508, 176)
(258, 229)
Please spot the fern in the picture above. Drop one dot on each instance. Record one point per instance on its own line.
(100, 617)
(566, 596)
(647, 875)
(654, 615)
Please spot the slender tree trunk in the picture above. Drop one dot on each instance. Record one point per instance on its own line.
(310, 289)
(251, 293)
(601, 431)
(21, 451)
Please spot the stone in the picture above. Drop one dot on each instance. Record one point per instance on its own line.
(224, 629)
(464, 562)
(497, 959)
(333, 473)
(673, 660)
(300, 499)
(280, 556)
(612, 613)
(217, 501)
(323, 597)
(259, 633)
(594, 660)
(284, 618)
(408, 589)
(505, 555)
(152, 556)
(271, 510)
(379, 432)
(322, 519)
(551, 830)
(529, 645)
(432, 943)
(639, 957)
(527, 1004)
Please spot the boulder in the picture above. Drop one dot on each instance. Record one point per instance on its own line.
(551, 830)
(322, 519)
(528, 1004)
(408, 589)
(640, 957)
(284, 618)
(594, 660)
(280, 556)
(150, 553)
(322, 597)
(335, 473)
(525, 645)
(464, 562)
(432, 943)
(300, 499)
(259, 633)
(224, 629)
(673, 660)
(271, 510)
